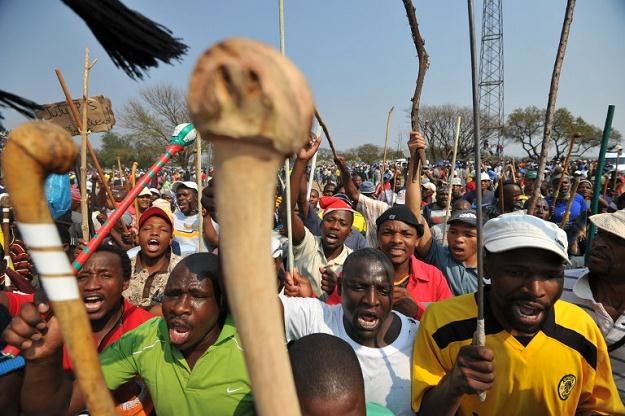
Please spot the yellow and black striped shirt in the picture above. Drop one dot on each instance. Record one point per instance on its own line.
(563, 370)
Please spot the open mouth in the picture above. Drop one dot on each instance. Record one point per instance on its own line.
(368, 320)
(93, 303)
(332, 238)
(529, 313)
(179, 333)
(153, 245)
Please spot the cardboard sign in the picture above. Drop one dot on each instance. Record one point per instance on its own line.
(100, 116)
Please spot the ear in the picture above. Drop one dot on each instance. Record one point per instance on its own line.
(125, 284)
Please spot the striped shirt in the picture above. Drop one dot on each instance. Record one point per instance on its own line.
(577, 291)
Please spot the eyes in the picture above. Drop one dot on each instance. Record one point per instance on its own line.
(84, 276)
(175, 293)
(361, 288)
(521, 273)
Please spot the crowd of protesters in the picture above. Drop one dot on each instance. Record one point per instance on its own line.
(379, 311)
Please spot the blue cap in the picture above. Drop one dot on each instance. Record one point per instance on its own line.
(367, 187)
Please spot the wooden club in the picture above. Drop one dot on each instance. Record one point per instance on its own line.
(256, 108)
(32, 152)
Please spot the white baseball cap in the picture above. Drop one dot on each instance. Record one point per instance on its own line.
(484, 176)
(186, 184)
(613, 222)
(512, 231)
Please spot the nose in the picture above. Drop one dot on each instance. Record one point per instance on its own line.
(92, 283)
(182, 305)
(371, 297)
(535, 287)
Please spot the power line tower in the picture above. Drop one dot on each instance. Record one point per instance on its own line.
(491, 77)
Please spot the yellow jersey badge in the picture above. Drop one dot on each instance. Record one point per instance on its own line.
(566, 386)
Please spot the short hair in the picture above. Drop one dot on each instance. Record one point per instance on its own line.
(370, 255)
(206, 266)
(324, 367)
(124, 260)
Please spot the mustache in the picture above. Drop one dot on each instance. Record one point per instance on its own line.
(526, 298)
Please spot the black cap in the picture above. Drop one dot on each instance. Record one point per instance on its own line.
(400, 213)
(466, 216)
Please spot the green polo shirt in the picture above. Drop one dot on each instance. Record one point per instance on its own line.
(217, 385)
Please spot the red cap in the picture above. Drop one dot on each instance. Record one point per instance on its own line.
(152, 212)
(332, 203)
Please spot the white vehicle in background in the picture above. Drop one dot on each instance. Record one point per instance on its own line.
(611, 160)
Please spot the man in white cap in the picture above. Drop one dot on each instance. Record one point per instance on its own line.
(542, 356)
(600, 288)
(488, 196)
(186, 221)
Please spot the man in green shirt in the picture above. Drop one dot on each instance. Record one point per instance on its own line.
(190, 359)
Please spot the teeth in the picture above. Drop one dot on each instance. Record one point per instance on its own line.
(92, 298)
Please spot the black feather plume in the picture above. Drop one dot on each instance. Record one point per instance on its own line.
(22, 105)
(133, 41)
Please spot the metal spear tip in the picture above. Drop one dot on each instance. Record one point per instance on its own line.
(244, 91)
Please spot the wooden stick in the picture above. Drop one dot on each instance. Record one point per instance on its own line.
(326, 132)
(92, 155)
(453, 171)
(198, 179)
(551, 104)
(133, 181)
(388, 124)
(5, 203)
(567, 213)
(33, 151)
(565, 169)
(313, 165)
(84, 135)
(239, 80)
(424, 64)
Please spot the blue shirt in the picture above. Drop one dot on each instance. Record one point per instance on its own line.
(460, 278)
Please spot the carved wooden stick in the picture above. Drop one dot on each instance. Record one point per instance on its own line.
(34, 150)
(256, 108)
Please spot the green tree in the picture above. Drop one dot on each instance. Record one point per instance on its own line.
(114, 146)
(525, 126)
(441, 130)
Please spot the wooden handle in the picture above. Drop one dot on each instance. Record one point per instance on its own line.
(32, 152)
(255, 106)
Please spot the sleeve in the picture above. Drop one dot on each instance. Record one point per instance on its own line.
(427, 369)
(443, 290)
(604, 398)
(434, 254)
(307, 245)
(302, 316)
(371, 209)
(117, 361)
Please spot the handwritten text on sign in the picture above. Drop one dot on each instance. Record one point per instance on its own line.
(100, 116)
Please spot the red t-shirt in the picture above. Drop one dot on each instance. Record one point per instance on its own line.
(16, 300)
(132, 317)
(426, 284)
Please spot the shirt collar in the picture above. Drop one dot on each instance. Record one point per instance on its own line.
(582, 290)
(414, 266)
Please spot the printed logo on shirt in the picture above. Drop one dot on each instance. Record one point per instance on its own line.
(230, 390)
(566, 386)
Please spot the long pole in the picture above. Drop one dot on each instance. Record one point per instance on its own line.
(569, 204)
(92, 155)
(480, 336)
(287, 166)
(551, 103)
(388, 124)
(198, 178)
(618, 156)
(453, 171)
(313, 165)
(84, 135)
(565, 169)
(594, 205)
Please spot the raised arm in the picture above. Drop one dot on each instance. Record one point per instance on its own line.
(350, 188)
(413, 194)
(299, 169)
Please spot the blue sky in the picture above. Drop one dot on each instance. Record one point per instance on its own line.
(358, 56)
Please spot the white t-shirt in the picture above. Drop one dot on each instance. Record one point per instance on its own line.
(386, 370)
(187, 232)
